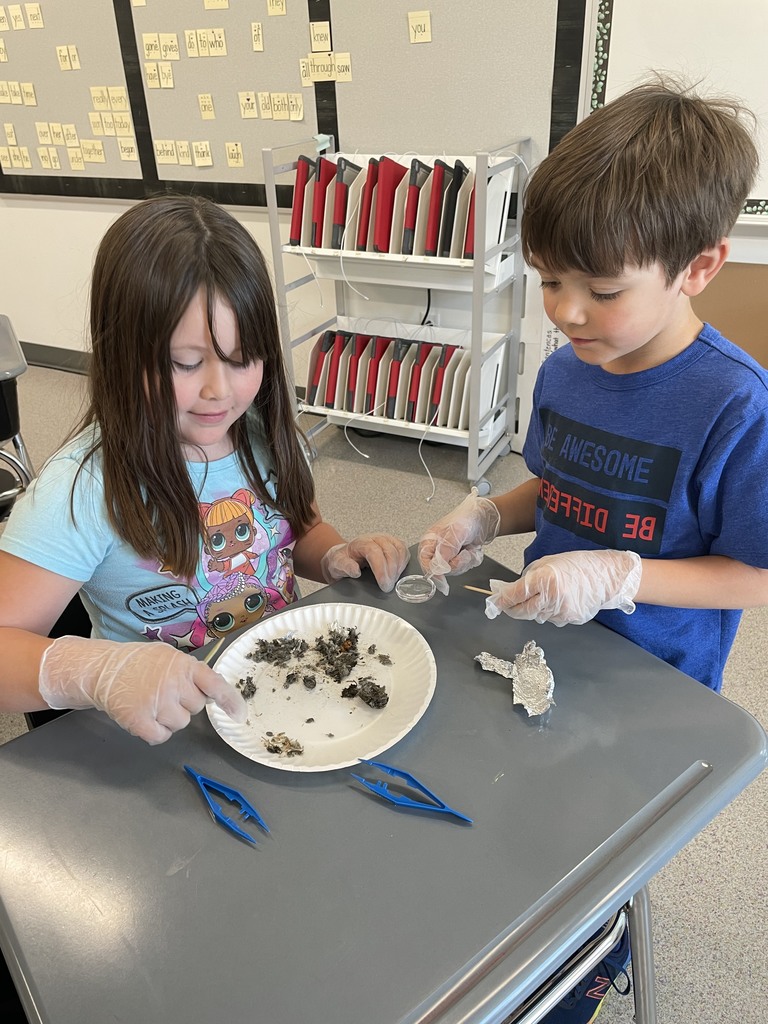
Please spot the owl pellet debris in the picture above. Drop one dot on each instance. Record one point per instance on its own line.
(533, 684)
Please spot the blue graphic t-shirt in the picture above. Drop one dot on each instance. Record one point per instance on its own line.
(670, 463)
(245, 569)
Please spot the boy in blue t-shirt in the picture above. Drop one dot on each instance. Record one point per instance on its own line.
(648, 441)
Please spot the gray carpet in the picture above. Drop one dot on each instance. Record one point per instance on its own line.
(710, 904)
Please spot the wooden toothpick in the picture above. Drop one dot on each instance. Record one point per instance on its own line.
(478, 590)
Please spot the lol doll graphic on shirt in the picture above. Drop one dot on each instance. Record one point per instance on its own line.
(231, 533)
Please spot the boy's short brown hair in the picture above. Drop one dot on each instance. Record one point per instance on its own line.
(657, 175)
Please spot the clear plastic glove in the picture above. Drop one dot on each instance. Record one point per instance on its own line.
(386, 556)
(455, 543)
(150, 689)
(571, 587)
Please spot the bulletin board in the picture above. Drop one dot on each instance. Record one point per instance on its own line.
(716, 47)
(194, 90)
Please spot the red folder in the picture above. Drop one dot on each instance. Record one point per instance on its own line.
(419, 174)
(442, 175)
(325, 172)
(413, 389)
(398, 354)
(340, 342)
(437, 387)
(379, 347)
(359, 342)
(346, 173)
(324, 345)
(366, 198)
(469, 240)
(391, 173)
(305, 168)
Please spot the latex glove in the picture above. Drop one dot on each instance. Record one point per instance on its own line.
(455, 543)
(571, 587)
(150, 689)
(386, 556)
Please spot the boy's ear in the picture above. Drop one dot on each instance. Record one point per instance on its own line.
(700, 272)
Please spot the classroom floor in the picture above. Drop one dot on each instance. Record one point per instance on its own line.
(710, 904)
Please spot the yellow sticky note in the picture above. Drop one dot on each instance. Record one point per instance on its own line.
(5, 92)
(319, 36)
(65, 61)
(152, 75)
(5, 158)
(100, 97)
(55, 162)
(276, 7)
(169, 46)
(3, 52)
(343, 65)
(76, 162)
(34, 15)
(28, 94)
(150, 42)
(118, 97)
(306, 78)
(217, 42)
(10, 133)
(26, 159)
(97, 125)
(44, 156)
(108, 121)
(74, 58)
(15, 90)
(201, 152)
(165, 151)
(70, 136)
(5, 25)
(17, 17)
(139, 3)
(202, 42)
(247, 103)
(280, 109)
(43, 130)
(57, 133)
(257, 36)
(165, 69)
(16, 162)
(127, 149)
(216, 5)
(123, 124)
(190, 36)
(420, 26)
(321, 67)
(234, 154)
(93, 151)
(296, 106)
(265, 104)
(184, 150)
(205, 102)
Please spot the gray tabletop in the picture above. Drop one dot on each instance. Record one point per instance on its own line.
(122, 900)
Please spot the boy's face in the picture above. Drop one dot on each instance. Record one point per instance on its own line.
(623, 324)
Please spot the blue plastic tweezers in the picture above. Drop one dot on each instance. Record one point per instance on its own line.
(381, 788)
(206, 785)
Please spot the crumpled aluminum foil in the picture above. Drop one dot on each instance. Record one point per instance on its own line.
(533, 684)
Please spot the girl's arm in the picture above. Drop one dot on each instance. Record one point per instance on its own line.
(322, 554)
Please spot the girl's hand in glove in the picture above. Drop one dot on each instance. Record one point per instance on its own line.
(386, 557)
(150, 689)
(571, 587)
(455, 543)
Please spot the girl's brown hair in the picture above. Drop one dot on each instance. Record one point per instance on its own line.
(149, 266)
(658, 174)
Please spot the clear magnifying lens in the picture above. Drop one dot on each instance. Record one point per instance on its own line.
(415, 589)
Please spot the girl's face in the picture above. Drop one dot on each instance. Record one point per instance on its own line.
(211, 395)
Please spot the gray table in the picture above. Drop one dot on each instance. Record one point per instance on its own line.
(123, 901)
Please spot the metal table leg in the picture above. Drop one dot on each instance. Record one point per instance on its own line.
(641, 944)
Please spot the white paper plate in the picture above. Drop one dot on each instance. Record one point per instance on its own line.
(343, 730)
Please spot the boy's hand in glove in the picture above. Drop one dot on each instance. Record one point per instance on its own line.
(150, 689)
(571, 587)
(455, 543)
(386, 556)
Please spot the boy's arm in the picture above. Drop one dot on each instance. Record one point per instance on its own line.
(708, 581)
